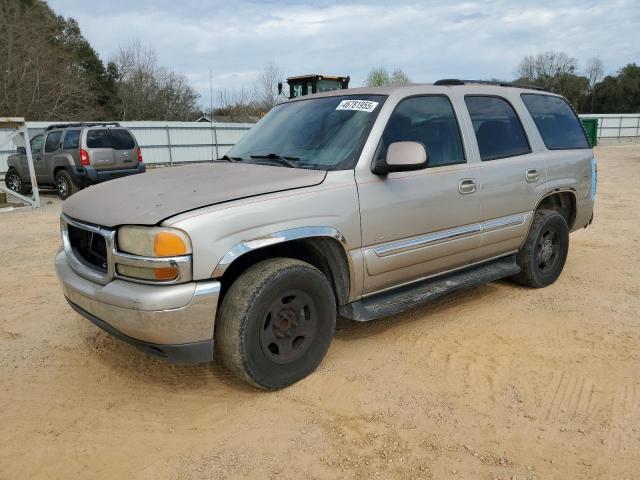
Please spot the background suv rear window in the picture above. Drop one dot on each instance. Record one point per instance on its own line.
(498, 128)
(71, 139)
(110, 138)
(557, 123)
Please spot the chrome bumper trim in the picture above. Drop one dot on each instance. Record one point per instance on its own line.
(162, 314)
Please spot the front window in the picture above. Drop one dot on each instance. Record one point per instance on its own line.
(321, 133)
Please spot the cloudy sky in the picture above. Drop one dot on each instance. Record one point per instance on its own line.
(428, 40)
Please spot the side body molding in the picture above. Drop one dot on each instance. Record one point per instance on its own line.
(281, 237)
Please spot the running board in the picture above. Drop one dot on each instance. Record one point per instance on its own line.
(403, 298)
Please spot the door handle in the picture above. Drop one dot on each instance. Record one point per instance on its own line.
(466, 186)
(532, 175)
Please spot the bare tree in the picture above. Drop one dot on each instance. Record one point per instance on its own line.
(544, 67)
(266, 87)
(595, 72)
(148, 91)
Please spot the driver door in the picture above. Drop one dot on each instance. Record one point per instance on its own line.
(419, 223)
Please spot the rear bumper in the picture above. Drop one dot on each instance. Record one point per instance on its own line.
(89, 175)
(174, 322)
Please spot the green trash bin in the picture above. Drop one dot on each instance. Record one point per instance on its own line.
(591, 129)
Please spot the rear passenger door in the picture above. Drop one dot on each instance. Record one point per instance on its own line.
(512, 176)
(44, 168)
(418, 223)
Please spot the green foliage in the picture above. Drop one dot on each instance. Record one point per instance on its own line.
(619, 93)
(380, 77)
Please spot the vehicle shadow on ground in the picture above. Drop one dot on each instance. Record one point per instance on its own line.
(141, 369)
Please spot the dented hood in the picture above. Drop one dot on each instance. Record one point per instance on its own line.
(149, 198)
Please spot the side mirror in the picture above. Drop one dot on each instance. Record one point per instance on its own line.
(401, 157)
(22, 150)
(279, 88)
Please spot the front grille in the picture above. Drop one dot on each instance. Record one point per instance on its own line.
(89, 246)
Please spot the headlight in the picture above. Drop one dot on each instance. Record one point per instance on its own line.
(153, 241)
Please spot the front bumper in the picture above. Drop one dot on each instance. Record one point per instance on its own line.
(174, 322)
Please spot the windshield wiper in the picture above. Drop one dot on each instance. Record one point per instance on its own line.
(288, 161)
(227, 158)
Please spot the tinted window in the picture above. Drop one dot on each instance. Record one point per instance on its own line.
(36, 144)
(53, 140)
(110, 138)
(428, 120)
(71, 139)
(498, 128)
(557, 123)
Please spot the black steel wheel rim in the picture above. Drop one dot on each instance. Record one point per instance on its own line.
(14, 182)
(63, 186)
(289, 327)
(548, 251)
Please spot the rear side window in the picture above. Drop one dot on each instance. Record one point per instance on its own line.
(558, 125)
(429, 120)
(117, 139)
(71, 139)
(498, 128)
(53, 140)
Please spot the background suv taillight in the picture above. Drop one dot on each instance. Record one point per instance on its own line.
(84, 157)
(139, 155)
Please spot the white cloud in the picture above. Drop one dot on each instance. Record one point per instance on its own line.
(429, 40)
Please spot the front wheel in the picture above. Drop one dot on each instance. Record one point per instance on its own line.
(276, 322)
(544, 253)
(65, 185)
(14, 182)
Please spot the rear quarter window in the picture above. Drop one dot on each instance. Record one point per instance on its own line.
(557, 123)
(71, 139)
(118, 139)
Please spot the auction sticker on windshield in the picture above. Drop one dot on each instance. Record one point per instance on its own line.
(357, 105)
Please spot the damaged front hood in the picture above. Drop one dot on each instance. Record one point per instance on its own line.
(149, 198)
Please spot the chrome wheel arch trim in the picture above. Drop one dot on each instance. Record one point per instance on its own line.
(283, 236)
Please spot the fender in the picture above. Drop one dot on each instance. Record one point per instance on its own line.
(548, 194)
(280, 237)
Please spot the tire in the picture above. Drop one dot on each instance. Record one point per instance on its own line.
(65, 186)
(14, 182)
(544, 253)
(276, 322)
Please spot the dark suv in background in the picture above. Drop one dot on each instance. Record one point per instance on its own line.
(75, 155)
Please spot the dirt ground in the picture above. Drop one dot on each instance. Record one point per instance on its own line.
(497, 382)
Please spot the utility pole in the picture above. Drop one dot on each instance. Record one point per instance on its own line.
(213, 145)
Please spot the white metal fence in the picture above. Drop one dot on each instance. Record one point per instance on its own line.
(166, 142)
(617, 126)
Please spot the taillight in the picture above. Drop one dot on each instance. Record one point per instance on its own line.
(84, 157)
(139, 155)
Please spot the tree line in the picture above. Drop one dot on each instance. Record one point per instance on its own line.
(49, 71)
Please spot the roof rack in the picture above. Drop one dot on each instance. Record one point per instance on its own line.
(83, 124)
(456, 81)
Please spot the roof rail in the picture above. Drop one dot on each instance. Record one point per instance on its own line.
(455, 81)
(83, 124)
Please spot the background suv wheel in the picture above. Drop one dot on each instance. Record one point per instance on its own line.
(14, 182)
(65, 185)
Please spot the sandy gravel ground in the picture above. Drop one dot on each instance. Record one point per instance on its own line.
(497, 382)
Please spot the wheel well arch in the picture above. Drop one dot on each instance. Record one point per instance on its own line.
(562, 201)
(327, 253)
(57, 168)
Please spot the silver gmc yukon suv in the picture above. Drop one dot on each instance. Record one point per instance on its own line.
(359, 203)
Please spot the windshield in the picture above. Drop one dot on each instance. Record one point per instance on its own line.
(322, 133)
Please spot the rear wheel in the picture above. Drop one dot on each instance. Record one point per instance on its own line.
(14, 182)
(65, 185)
(276, 322)
(544, 253)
